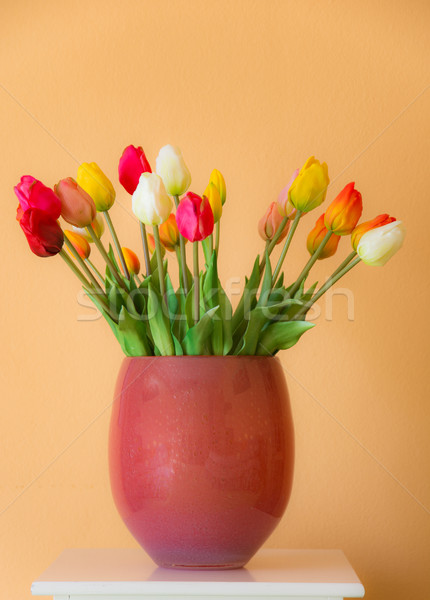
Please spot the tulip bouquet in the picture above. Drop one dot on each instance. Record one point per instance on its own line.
(145, 312)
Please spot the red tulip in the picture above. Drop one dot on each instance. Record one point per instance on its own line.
(194, 217)
(32, 193)
(132, 164)
(44, 235)
(77, 207)
(344, 212)
(363, 228)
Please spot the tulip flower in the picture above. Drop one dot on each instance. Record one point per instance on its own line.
(150, 201)
(132, 261)
(343, 214)
(31, 193)
(194, 217)
(378, 245)
(309, 188)
(98, 226)
(361, 229)
(93, 181)
(285, 207)
(169, 233)
(44, 235)
(316, 236)
(79, 243)
(218, 180)
(270, 222)
(77, 207)
(170, 166)
(132, 164)
(213, 195)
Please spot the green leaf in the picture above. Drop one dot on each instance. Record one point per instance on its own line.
(189, 307)
(211, 296)
(159, 324)
(247, 301)
(280, 336)
(172, 301)
(226, 312)
(196, 340)
(179, 325)
(257, 319)
(266, 286)
(178, 347)
(134, 340)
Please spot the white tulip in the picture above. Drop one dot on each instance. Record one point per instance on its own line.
(378, 245)
(150, 202)
(170, 166)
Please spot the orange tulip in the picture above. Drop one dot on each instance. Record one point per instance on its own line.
(79, 243)
(270, 222)
(344, 212)
(169, 233)
(363, 228)
(131, 260)
(317, 235)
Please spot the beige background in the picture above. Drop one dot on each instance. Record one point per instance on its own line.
(252, 88)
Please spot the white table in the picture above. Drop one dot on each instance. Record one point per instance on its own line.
(129, 574)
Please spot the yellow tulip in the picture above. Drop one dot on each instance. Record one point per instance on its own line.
(310, 186)
(218, 180)
(212, 194)
(93, 181)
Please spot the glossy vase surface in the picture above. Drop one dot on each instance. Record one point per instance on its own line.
(201, 456)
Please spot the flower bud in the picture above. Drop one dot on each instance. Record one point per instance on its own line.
(131, 260)
(218, 180)
(214, 198)
(44, 235)
(80, 244)
(151, 244)
(316, 236)
(132, 164)
(93, 181)
(169, 233)
(285, 207)
(270, 222)
(309, 188)
(31, 193)
(77, 207)
(150, 202)
(194, 217)
(378, 245)
(361, 229)
(344, 212)
(170, 166)
(98, 225)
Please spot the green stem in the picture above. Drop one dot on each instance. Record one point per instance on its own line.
(95, 269)
(159, 260)
(347, 260)
(196, 281)
(308, 266)
(217, 237)
(328, 284)
(286, 246)
(183, 255)
(278, 233)
(145, 249)
(87, 285)
(106, 258)
(82, 264)
(117, 244)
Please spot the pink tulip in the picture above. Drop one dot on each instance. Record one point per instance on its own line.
(132, 164)
(77, 207)
(194, 217)
(31, 193)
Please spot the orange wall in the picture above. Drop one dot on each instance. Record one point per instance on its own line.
(252, 88)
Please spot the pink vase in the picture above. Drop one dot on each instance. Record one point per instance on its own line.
(201, 456)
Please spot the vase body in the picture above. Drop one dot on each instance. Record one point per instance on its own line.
(201, 456)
